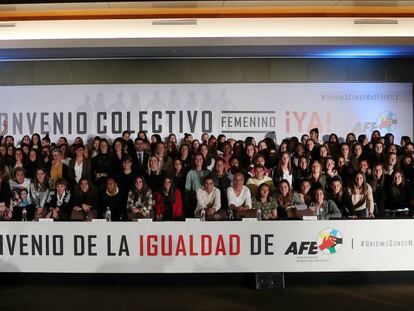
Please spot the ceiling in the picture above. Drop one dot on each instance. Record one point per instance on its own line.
(151, 29)
(27, 10)
(31, 4)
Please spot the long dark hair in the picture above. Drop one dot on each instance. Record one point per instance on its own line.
(144, 189)
(41, 186)
(92, 189)
(170, 196)
(398, 192)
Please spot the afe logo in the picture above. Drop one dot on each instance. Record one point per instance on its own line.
(311, 248)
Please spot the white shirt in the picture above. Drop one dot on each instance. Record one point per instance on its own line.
(78, 171)
(205, 200)
(243, 199)
(66, 161)
(288, 177)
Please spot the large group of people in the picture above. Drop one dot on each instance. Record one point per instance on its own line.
(214, 177)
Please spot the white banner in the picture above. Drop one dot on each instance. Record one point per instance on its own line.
(192, 247)
(237, 110)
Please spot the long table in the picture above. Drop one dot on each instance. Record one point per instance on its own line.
(204, 247)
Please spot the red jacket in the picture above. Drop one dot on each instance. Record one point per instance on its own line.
(177, 206)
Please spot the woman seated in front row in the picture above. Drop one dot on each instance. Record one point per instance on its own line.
(326, 209)
(265, 202)
(284, 197)
(140, 201)
(59, 202)
(209, 201)
(168, 202)
(239, 197)
(112, 200)
(85, 202)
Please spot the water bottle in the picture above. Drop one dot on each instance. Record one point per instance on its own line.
(108, 214)
(319, 212)
(259, 214)
(24, 214)
(150, 213)
(203, 215)
(231, 215)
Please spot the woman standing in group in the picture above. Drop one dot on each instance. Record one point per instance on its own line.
(301, 171)
(360, 201)
(19, 159)
(39, 192)
(221, 180)
(57, 169)
(391, 164)
(317, 178)
(126, 175)
(195, 145)
(155, 174)
(357, 156)
(20, 187)
(259, 178)
(302, 198)
(378, 155)
(283, 170)
(179, 175)
(399, 200)
(171, 149)
(164, 160)
(284, 199)
(102, 164)
(379, 183)
(185, 156)
(35, 142)
(193, 182)
(32, 163)
(95, 146)
(118, 155)
(345, 153)
(250, 152)
(208, 159)
(79, 167)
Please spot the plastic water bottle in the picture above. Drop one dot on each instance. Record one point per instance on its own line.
(203, 215)
(319, 212)
(24, 214)
(150, 213)
(231, 215)
(259, 214)
(108, 214)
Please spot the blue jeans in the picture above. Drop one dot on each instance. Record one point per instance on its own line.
(362, 213)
